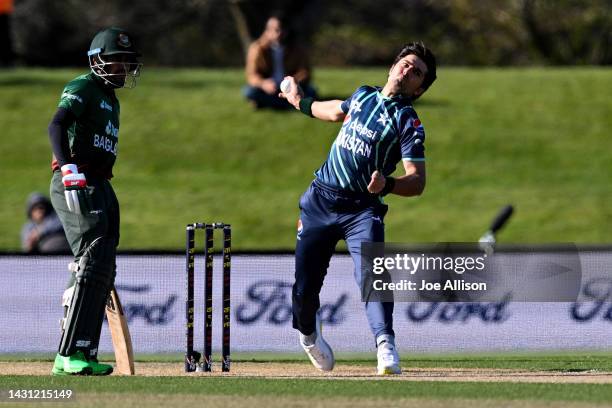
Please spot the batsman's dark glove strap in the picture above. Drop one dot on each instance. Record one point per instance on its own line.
(306, 106)
(389, 185)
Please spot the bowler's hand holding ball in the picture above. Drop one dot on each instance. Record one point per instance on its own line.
(286, 85)
(291, 91)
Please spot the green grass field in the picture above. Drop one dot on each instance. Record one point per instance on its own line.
(541, 361)
(232, 391)
(191, 149)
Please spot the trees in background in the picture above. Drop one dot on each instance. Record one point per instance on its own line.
(215, 32)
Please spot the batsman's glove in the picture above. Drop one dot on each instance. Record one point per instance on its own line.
(77, 196)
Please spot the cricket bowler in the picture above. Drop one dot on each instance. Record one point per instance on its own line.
(345, 201)
(84, 134)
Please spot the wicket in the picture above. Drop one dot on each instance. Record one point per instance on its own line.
(192, 357)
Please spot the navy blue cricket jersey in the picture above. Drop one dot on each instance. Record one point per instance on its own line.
(376, 134)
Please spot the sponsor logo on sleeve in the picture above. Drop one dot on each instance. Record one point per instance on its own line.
(416, 124)
(72, 97)
(105, 105)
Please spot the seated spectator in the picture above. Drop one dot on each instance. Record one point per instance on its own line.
(44, 232)
(270, 58)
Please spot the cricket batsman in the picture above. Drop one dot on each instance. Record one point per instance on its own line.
(84, 135)
(345, 201)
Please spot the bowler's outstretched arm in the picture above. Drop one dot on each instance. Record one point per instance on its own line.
(329, 111)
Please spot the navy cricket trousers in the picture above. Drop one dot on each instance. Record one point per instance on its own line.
(328, 215)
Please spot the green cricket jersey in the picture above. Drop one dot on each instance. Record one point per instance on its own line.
(94, 136)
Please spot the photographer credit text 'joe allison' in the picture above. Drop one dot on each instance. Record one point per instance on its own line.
(410, 264)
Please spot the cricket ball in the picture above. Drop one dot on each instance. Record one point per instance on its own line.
(285, 86)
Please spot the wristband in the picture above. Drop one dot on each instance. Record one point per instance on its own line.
(389, 185)
(306, 106)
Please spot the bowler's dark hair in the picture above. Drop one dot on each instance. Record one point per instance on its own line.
(420, 50)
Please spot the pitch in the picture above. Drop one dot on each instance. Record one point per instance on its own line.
(567, 380)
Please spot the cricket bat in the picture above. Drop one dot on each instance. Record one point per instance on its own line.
(120, 333)
(500, 220)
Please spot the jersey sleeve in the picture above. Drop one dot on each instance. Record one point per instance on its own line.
(412, 139)
(74, 97)
(346, 105)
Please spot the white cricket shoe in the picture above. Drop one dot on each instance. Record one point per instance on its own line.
(388, 359)
(320, 353)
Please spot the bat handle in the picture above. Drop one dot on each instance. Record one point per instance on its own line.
(501, 218)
